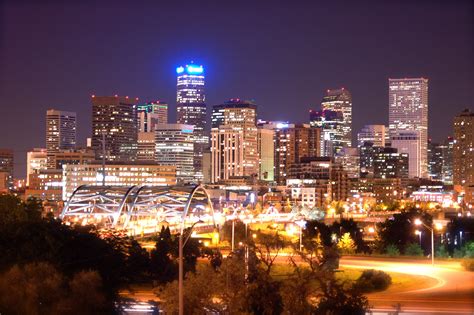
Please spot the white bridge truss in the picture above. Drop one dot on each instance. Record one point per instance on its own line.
(143, 206)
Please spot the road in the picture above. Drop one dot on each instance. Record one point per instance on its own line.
(451, 293)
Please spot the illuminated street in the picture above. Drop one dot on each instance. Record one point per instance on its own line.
(453, 292)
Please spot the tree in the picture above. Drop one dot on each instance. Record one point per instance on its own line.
(413, 249)
(399, 230)
(351, 227)
(137, 262)
(163, 267)
(267, 248)
(318, 229)
(336, 299)
(239, 231)
(346, 244)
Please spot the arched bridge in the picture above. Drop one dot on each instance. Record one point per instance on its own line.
(139, 209)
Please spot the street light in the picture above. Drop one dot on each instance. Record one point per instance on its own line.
(438, 226)
(181, 265)
(301, 223)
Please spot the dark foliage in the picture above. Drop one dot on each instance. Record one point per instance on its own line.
(373, 280)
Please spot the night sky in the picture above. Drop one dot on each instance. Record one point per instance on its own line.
(284, 56)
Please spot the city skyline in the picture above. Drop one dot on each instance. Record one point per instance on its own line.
(285, 87)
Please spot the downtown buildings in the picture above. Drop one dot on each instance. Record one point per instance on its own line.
(408, 121)
(60, 133)
(463, 154)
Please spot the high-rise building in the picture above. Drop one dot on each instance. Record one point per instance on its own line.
(146, 147)
(60, 133)
(150, 114)
(409, 142)
(408, 111)
(6, 170)
(114, 118)
(440, 160)
(372, 133)
(349, 158)
(235, 123)
(191, 109)
(266, 150)
(331, 123)
(390, 164)
(36, 160)
(340, 100)
(463, 152)
(292, 143)
(175, 146)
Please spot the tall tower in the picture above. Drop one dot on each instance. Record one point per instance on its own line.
(191, 108)
(115, 119)
(331, 123)
(408, 112)
(150, 114)
(60, 133)
(340, 100)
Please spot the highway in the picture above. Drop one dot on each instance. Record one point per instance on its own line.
(451, 293)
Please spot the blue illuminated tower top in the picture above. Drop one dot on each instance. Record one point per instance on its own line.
(190, 84)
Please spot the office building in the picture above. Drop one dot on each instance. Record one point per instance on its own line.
(463, 151)
(409, 142)
(77, 156)
(292, 143)
(175, 147)
(408, 112)
(388, 163)
(340, 100)
(6, 170)
(36, 160)
(46, 185)
(372, 133)
(114, 119)
(117, 174)
(331, 123)
(146, 147)
(328, 177)
(60, 132)
(150, 114)
(440, 160)
(266, 150)
(349, 158)
(191, 109)
(235, 123)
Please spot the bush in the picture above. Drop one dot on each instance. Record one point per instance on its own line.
(442, 252)
(413, 249)
(373, 280)
(468, 264)
(469, 250)
(392, 250)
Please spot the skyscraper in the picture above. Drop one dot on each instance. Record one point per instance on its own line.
(36, 160)
(115, 119)
(463, 153)
(60, 133)
(191, 108)
(408, 111)
(175, 147)
(340, 100)
(409, 142)
(6, 170)
(440, 160)
(235, 122)
(331, 123)
(292, 143)
(150, 114)
(372, 133)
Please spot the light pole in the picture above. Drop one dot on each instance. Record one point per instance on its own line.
(181, 265)
(301, 223)
(419, 222)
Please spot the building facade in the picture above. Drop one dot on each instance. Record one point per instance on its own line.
(463, 151)
(408, 112)
(150, 114)
(409, 142)
(114, 119)
(6, 170)
(36, 160)
(372, 133)
(117, 175)
(60, 133)
(292, 143)
(331, 123)
(440, 161)
(340, 100)
(174, 145)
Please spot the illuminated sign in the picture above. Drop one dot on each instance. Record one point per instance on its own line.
(282, 125)
(187, 130)
(190, 69)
